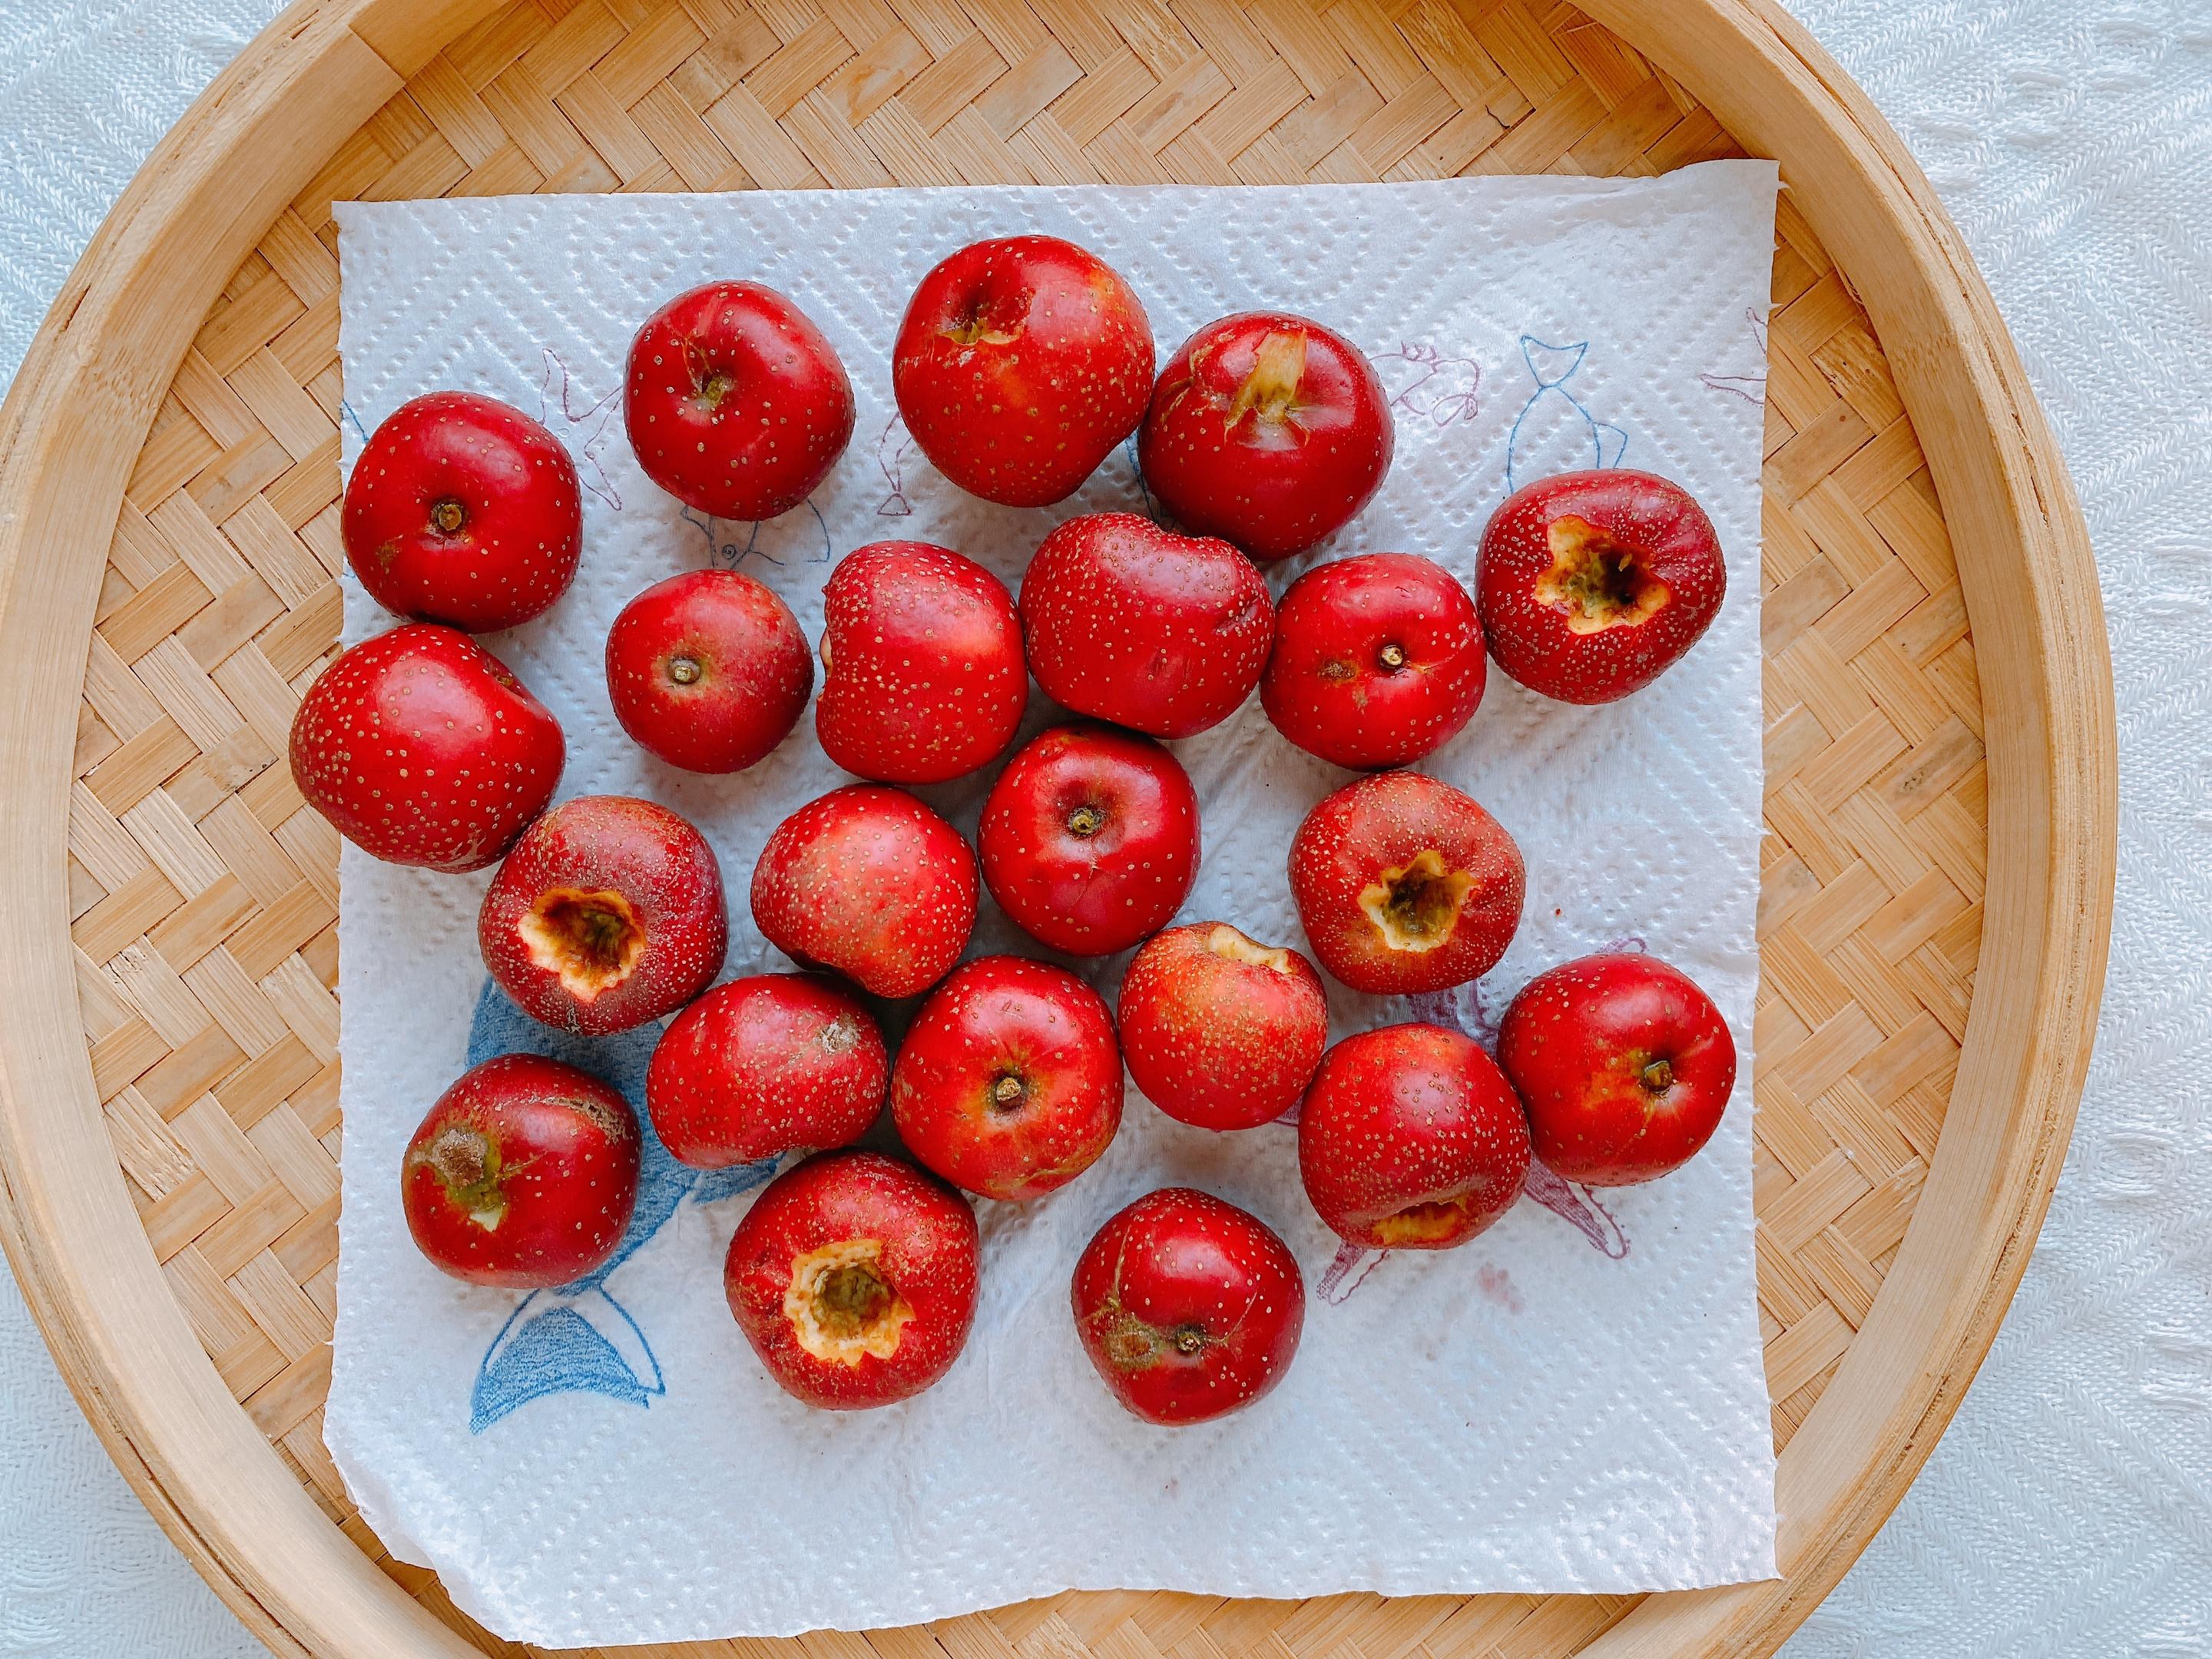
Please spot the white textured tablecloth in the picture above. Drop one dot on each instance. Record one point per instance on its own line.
(2068, 1510)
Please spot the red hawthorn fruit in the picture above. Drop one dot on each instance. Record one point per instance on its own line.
(1404, 884)
(771, 1063)
(869, 882)
(523, 1174)
(1135, 624)
(1220, 1031)
(1090, 838)
(735, 403)
(1591, 585)
(1411, 1138)
(1020, 364)
(607, 913)
(464, 511)
(1625, 1064)
(1377, 661)
(921, 652)
(708, 671)
(853, 1277)
(420, 748)
(1189, 1306)
(1268, 430)
(1009, 1083)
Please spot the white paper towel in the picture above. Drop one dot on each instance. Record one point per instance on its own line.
(1575, 1401)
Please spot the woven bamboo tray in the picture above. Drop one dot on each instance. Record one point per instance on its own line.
(1939, 755)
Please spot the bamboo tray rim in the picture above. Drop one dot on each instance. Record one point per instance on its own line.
(83, 405)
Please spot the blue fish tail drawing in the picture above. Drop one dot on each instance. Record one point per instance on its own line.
(1555, 431)
(580, 1339)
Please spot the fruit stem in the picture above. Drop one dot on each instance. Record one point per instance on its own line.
(1008, 1092)
(685, 670)
(1394, 656)
(1658, 1075)
(448, 515)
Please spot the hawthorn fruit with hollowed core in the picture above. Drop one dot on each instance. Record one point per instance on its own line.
(1405, 884)
(853, 1277)
(771, 1063)
(1219, 1030)
(867, 882)
(1131, 623)
(1591, 585)
(1090, 838)
(1625, 1064)
(464, 511)
(1189, 1306)
(921, 657)
(1378, 660)
(607, 913)
(1009, 1082)
(708, 671)
(523, 1174)
(1267, 429)
(1020, 364)
(735, 403)
(420, 748)
(1411, 1138)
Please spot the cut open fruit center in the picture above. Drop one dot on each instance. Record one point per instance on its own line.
(1596, 581)
(1416, 907)
(1423, 1224)
(590, 940)
(466, 1162)
(1234, 945)
(1270, 391)
(841, 1304)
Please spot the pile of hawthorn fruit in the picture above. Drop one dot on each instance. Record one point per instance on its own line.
(1021, 364)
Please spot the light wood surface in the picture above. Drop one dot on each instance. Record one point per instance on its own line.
(1940, 797)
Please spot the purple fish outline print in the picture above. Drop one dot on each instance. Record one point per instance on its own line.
(581, 425)
(1443, 388)
(1752, 388)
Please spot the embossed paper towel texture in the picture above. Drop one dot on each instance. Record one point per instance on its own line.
(1575, 1401)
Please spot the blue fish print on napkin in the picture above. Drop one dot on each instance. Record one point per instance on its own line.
(578, 1338)
(1555, 431)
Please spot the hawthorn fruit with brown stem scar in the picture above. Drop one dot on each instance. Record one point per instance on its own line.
(607, 913)
(1411, 1138)
(1377, 661)
(869, 882)
(1219, 1030)
(853, 1277)
(1591, 585)
(420, 748)
(922, 673)
(766, 1064)
(1625, 1064)
(1009, 1082)
(1129, 622)
(1188, 1307)
(1019, 366)
(465, 510)
(523, 1174)
(734, 402)
(1268, 430)
(708, 671)
(1090, 838)
(1405, 884)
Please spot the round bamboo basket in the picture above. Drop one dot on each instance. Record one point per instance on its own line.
(1940, 793)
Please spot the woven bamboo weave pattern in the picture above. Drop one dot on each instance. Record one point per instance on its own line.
(204, 893)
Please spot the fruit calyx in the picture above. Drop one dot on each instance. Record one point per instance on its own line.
(466, 1162)
(1416, 906)
(447, 516)
(1236, 945)
(1086, 821)
(842, 1305)
(1270, 391)
(591, 940)
(1595, 580)
(1422, 1223)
